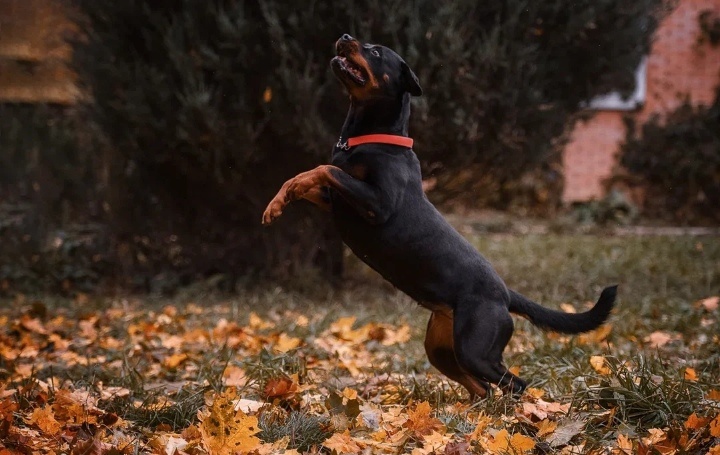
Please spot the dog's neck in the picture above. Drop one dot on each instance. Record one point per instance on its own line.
(377, 116)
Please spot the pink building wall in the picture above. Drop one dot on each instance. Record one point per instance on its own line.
(679, 67)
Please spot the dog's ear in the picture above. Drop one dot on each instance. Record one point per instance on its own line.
(412, 84)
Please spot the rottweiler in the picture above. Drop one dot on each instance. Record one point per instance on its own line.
(373, 189)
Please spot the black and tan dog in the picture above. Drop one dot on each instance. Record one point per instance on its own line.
(373, 189)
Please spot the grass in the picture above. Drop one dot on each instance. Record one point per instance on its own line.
(661, 279)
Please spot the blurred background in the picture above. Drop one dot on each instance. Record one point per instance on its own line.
(141, 140)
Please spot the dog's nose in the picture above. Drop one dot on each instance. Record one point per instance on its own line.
(346, 37)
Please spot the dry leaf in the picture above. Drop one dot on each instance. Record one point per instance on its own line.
(280, 388)
(267, 95)
(504, 443)
(695, 423)
(713, 395)
(226, 431)
(565, 432)
(710, 303)
(624, 445)
(690, 374)
(659, 338)
(420, 422)
(715, 427)
(342, 443)
(44, 418)
(546, 427)
(599, 364)
(286, 343)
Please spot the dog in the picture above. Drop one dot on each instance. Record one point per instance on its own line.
(373, 189)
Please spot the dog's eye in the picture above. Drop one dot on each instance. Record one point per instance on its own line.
(375, 53)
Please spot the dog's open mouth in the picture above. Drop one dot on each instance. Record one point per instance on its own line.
(350, 68)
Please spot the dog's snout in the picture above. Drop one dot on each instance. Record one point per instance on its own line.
(346, 37)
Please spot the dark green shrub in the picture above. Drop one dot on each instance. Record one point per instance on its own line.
(678, 163)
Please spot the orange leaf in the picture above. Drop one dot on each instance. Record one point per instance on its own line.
(715, 427)
(713, 395)
(710, 303)
(267, 95)
(226, 431)
(45, 420)
(342, 443)
(695, 423)
(174, 360)
(420, 422)
(599, 364)
(625, 445)
(690, 374)
(515, 444)
(280, 388)
(546, 427)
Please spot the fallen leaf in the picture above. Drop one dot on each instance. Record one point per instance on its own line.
(267, 95)
(659, 338)
(713, 395)
(286, 343)
(280, 388)
(599, 364)
(546, 427)
(624, 445)
(690, 374)
(565, 432)
(420, 422)
(715, 427)
(342, 443)
(503, 443)
(710, 303)
(694, 422)
(226, 431)
(44, 418)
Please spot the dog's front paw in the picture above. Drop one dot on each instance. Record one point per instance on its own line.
(273, 211)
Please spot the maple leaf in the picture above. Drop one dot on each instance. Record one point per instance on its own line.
(694, 422)
(44, 418)
(226, 431)
(283, 387)
(420, 422)
(342, 443)
(715, 427)
(503, 443)
(286, 343)
(624, 445)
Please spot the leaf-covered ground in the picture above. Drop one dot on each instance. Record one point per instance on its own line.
(344, 371)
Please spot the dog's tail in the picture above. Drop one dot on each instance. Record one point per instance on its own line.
(559, 321)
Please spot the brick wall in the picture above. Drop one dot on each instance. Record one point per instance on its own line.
(680, 67)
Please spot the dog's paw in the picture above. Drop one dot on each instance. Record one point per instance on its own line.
(272, 212)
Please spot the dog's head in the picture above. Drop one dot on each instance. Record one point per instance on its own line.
(372, 71)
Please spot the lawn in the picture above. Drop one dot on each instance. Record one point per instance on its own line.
(343, 370)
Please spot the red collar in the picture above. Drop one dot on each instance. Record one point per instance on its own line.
(377, 139)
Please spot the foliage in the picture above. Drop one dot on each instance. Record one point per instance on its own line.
(677, 160)
(129, 375)
(197, 111)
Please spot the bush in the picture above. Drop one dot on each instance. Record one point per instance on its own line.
(198, 110)
(678, 163)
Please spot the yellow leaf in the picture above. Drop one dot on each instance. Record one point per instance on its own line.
(482, 424)
(342, 443)
(599, 365)
(535, 393)
(596, 336)
(690, 374)
(226, 431)
(515, 369)
(515, 444)
(267, 95)
(45, 420)
(350, 394)
(257, 323)
(174, 360)
(546, 427)
(286, 343)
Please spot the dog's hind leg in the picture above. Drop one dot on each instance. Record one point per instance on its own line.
(481, 330)
(440, 352)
